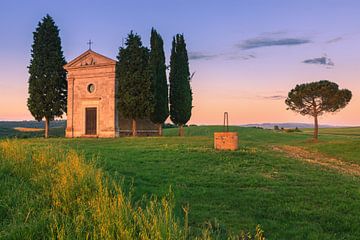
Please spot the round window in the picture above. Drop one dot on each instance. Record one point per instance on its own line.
(91, 88)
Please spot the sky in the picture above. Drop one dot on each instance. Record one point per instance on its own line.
(246, 54)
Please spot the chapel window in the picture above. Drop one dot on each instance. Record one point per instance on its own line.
(91, 88)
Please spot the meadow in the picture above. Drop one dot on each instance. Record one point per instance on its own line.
(289, 195)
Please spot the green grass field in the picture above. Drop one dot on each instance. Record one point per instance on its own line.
(13, 133)
(289, 198)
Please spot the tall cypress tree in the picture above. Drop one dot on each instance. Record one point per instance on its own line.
(159, 86)
(133, 76)
(180, 89)
(47, 81)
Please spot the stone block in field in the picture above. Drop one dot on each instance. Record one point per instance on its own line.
(226, 140)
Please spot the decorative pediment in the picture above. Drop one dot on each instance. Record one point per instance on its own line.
(89, 58)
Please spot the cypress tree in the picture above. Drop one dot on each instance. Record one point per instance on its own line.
(47, 81)
(159, 86)
(133, 75)
(180, 90)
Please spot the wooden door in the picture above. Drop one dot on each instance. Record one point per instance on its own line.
(90, 121)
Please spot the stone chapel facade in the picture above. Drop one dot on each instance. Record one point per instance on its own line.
(92, 106)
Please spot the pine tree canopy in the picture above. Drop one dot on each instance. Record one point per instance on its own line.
(133, 76)
(159, 86)
(47, 81)
(179, 77)
(317, 98)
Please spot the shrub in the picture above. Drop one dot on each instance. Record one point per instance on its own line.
(290, 130)
(169, 125)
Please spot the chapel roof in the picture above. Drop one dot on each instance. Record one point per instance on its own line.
(90, 58)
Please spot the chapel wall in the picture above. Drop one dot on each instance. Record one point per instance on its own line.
(103, 98)
(93, 68)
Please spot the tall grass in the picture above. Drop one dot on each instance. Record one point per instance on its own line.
(49, 193)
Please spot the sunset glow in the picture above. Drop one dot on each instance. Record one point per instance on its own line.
(246, 55)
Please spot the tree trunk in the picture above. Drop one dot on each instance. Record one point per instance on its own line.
(133, 127)
(181, 130)
(316, 128)
(160, 129)
(47, 125)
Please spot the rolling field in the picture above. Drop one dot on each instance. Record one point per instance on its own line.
(289, 196)
(30, 129)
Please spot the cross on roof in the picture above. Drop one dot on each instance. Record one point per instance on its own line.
(89, 43)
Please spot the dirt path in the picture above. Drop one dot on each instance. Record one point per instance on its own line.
(320, 159)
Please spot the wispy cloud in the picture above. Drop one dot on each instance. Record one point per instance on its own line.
(240, 56)
(226, 56)
(275, 33)
(202, 56)
(334, 40)
(320, 61)
(273, 97)
(271, 42)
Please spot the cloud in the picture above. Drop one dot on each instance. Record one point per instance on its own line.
(240, 56)
(270, 42)
(202, 56)
(280, 32)
(227, 56)
(337, 39)
(320, 61)
(274, 97)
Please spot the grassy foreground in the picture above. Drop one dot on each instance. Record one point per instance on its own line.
(48, 193)
(291, 199)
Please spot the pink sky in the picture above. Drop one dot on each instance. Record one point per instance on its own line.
(243, 53)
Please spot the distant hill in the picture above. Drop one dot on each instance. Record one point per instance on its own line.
(31, 124)
(62, 123)
(287, 125)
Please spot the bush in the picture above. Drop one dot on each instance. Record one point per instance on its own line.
(290, 130)
(169, 125)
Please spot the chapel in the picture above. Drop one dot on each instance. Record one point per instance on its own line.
(92, 104)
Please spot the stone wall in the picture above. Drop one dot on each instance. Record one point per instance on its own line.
(144, 127)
